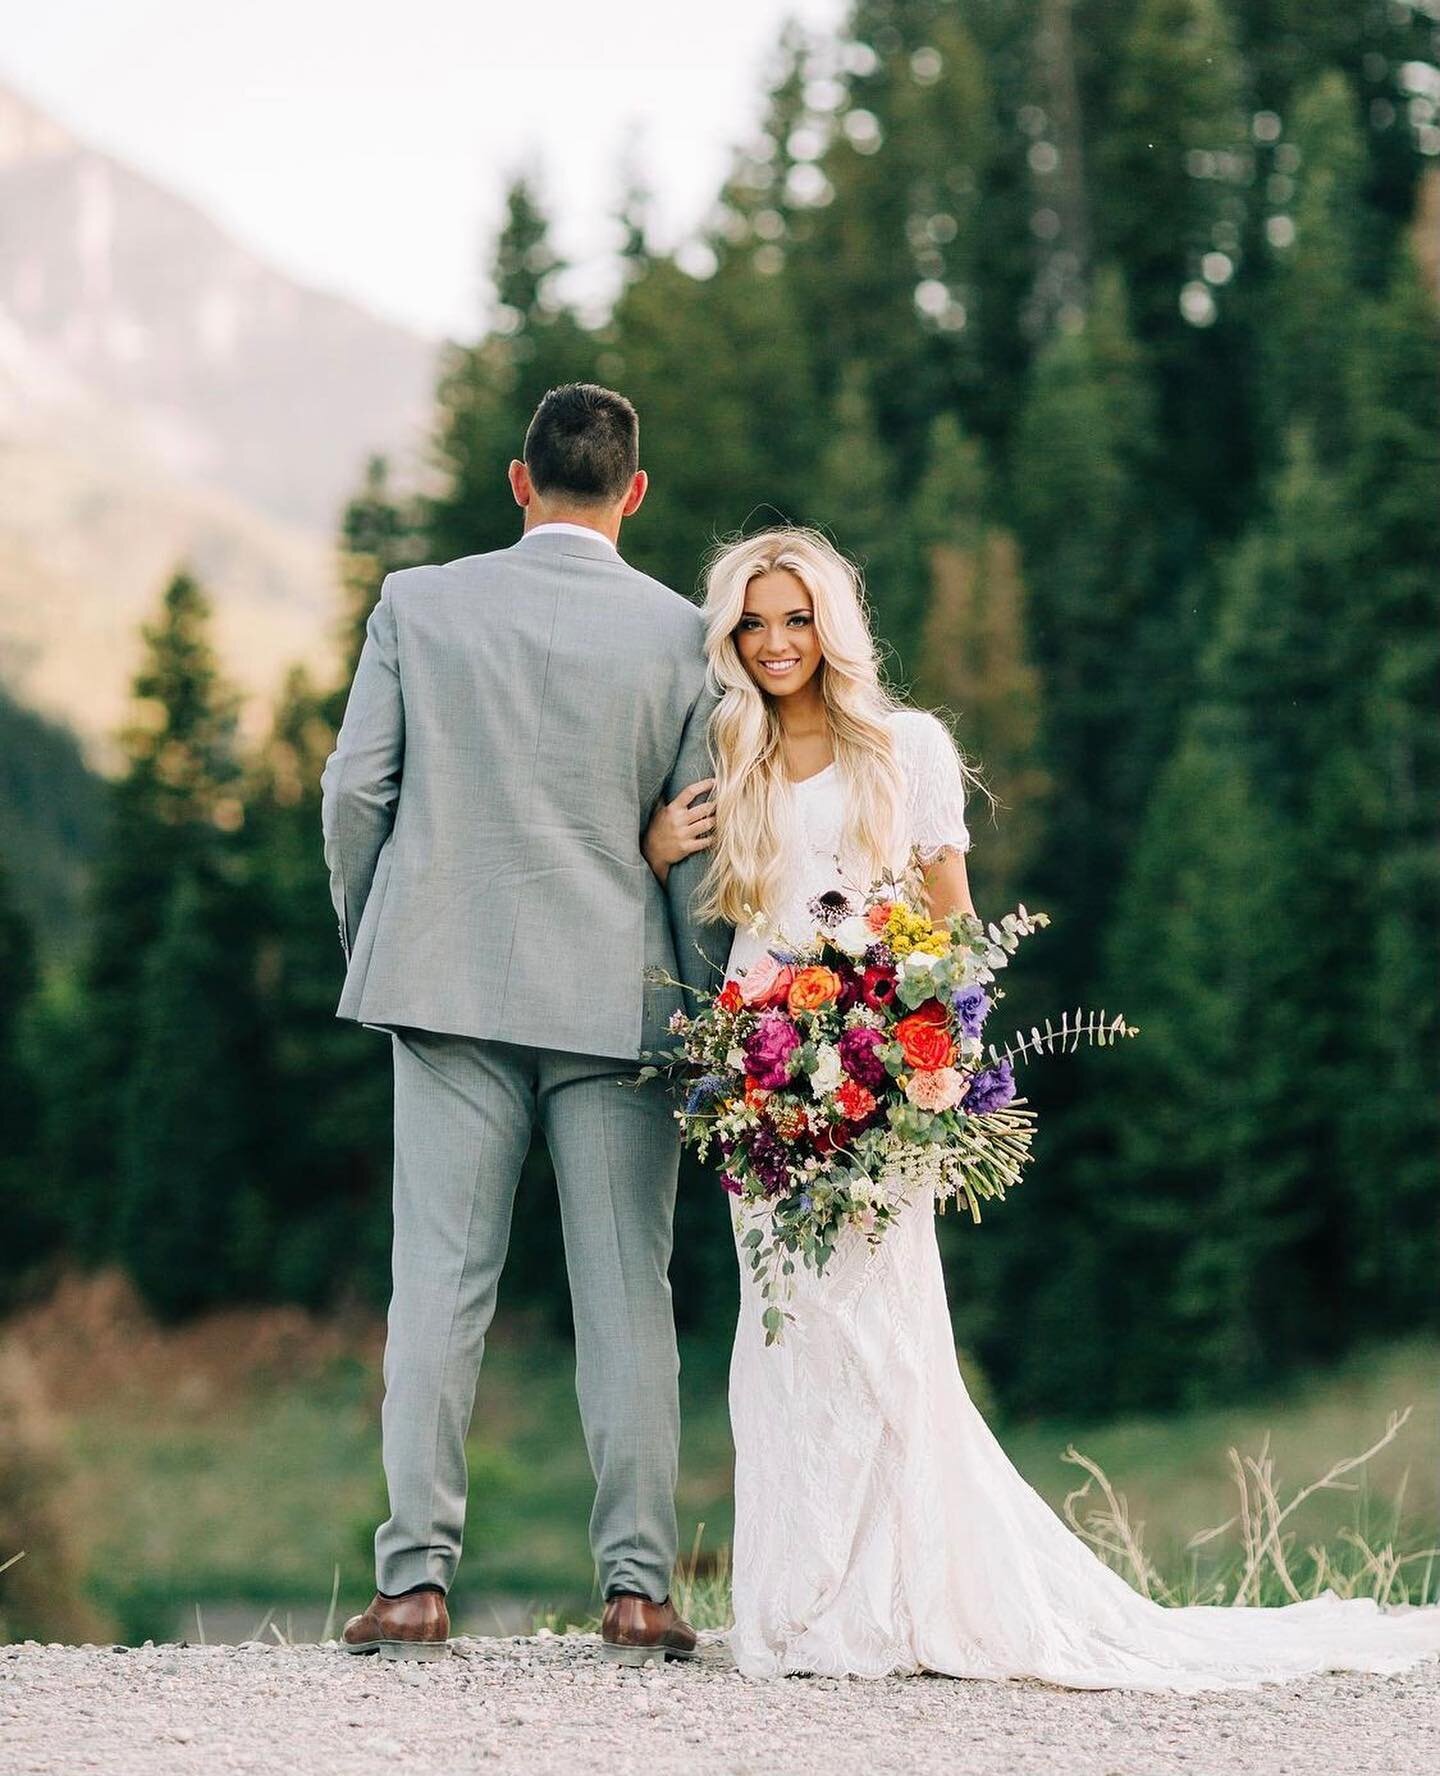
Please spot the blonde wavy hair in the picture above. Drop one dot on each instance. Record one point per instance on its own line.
(747, 856)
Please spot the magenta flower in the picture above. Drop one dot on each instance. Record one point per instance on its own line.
(769, 1048)
(860, 1056)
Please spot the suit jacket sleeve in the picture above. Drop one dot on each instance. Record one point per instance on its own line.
(701, 950)
(360, 786)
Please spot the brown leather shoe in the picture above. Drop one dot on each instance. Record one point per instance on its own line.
(414, 1626)
(636, 1631)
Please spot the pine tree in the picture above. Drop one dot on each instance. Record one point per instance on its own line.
(1113, 650)
(488, 391)
(732, 450)
(889, 262)
(26, 1210)
(1174, 167)
(326, 1124)
(378, 534)
(1200, 1200)
(1389, 1112)
(174, 811)
(855, 488)
(188, 1226)
(974, 658)
(1310, 309)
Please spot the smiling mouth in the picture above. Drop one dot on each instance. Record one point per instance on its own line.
(778, 668)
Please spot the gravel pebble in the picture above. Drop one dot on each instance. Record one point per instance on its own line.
(514, 1707)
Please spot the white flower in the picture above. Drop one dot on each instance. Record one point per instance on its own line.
(859, 1015)
(918, 962)
(853, 936)
(970, 1048)
(735, 1060)
(826, 1074)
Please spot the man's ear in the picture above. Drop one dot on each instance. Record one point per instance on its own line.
(636, 494)
(520, 483)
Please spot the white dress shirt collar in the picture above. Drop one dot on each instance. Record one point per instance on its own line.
(581, 530)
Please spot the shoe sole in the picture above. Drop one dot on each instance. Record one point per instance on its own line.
(636, 1656)
(401, 1649)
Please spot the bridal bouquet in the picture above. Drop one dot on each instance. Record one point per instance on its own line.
(836, 1079)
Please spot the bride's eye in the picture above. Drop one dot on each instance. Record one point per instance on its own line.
(801, 621)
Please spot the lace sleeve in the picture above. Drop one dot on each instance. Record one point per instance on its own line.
(936, 786)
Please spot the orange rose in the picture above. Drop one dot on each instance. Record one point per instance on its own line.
(879, 915)
(932, 1012)
(925, 1043)
(813, 989)
(728, 998)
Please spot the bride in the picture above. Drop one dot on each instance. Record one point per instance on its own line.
(879, 1526)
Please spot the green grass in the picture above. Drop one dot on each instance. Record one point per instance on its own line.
(255, 1491)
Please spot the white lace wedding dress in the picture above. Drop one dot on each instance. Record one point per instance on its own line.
(879, 1527)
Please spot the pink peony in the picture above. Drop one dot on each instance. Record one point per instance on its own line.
(940, 1088)
(766, 981)
(860, 1057)
(769, 1049)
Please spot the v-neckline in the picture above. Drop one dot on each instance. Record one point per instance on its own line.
(814, 777)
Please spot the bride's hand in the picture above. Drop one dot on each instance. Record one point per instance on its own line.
(680, 828)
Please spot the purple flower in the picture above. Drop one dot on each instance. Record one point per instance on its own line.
(972, 1007)
(769, 1160)
(730, 1185)
(768, 1049)
(990, 1090)
(703, 1090)
(860, 1056)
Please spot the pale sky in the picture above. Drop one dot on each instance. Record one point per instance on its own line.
(363, 147)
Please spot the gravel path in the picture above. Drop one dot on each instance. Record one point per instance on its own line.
(548, 1706)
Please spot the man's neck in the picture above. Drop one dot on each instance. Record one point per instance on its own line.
(607, 527)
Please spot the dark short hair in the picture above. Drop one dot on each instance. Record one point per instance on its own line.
(583, 441)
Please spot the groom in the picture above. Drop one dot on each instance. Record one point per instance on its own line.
(514, 718)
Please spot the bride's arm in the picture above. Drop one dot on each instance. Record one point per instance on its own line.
(678, 829)
(947, 887)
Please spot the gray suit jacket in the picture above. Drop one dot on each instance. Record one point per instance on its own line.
(513, 720)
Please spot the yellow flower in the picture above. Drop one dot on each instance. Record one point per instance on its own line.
(907, 931)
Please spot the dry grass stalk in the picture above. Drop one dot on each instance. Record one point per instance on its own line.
(1110, 1531)
(1266, 1545)
(1262, 1517)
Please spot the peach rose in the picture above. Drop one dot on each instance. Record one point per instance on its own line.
(813, 989)
(765, 982)
(938, 1088)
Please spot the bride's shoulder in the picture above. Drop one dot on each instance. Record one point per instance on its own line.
(920, 737)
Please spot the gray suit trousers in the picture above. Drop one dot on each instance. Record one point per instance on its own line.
(464, 1112)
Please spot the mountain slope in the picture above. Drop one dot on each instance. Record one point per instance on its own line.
(166, 397)
(228, 372)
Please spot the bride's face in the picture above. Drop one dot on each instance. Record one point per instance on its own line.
(776, 637)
